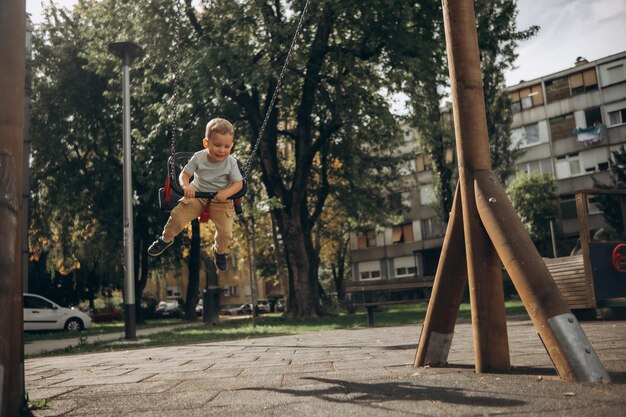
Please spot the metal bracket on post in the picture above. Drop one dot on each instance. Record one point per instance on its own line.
(583, 359)
(438, 349)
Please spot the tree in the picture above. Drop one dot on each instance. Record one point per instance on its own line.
(330, 136)
(497, 37)
(76, 152)
(75, 160)
(610, 204)
(330, 119)
(534, 197)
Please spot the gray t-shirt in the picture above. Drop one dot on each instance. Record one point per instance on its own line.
(212, 176)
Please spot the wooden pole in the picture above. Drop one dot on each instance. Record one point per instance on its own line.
(450, 281)
(490, 224)
(12, 75)
(491, 350)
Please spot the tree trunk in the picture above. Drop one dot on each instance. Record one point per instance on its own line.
(141, 275)
(191, 299)
(302, 262)
(338, 270)
(441, 170)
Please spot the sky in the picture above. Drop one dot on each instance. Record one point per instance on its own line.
(591, 29)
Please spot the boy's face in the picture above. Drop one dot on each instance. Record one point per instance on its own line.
(219, 146)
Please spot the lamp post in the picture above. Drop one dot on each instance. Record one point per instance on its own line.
(127, 51)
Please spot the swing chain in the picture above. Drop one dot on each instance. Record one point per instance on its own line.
(176, 81)
(253, 154)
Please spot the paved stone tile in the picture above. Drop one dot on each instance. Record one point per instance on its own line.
(364, 372)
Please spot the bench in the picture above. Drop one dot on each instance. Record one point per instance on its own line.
(376, 293)
(569, 276)
(371, 306)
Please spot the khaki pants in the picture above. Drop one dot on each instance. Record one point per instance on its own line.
(222, 216)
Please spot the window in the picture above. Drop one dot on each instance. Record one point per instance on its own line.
(567, 204)
(431, 228)
(592, 205)
(369, 270)
(367, 239)
(543, 166)
(561, 127)
(449, 155)
(525, 136)
(174, 291)
(231, 291)
(557, 89)
(405, 266)
(583, 82)
(526, 98)
(427, 194)
(568, 165)
(594, 160)
(616, 74)
(421, 162)
(35, 302)
(402, 233)
(593, 115)
(617, 117)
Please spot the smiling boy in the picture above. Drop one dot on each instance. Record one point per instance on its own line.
(213, 170)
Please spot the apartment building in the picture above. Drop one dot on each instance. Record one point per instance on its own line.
(567, 123)
(399, 262)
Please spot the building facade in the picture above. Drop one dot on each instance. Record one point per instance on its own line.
(567, 123)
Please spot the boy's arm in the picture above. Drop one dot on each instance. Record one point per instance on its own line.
(232, 189)
(188, 190)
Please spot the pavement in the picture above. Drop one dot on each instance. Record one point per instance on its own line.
(360, 372)
(38, 347)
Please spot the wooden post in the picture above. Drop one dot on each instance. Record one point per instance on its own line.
(12, 74)
(491, 350)
(492, 231)
(445, 299)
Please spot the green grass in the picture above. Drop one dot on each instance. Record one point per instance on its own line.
(275, 325)
(95, 330)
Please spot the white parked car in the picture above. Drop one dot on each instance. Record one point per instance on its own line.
(43, 314)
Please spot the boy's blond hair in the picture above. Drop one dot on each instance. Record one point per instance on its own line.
(219, 125)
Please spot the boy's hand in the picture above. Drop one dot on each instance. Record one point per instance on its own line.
(189, 191)
(221, 196)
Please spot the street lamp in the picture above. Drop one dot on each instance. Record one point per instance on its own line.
(128, 52)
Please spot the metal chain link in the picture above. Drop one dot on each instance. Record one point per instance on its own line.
(253, 154)
(174, 130)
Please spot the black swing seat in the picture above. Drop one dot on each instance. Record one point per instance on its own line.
(176, 192)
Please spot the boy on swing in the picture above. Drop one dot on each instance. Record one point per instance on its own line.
(213, 170)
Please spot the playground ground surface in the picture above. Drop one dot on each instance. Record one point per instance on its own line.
(359, 372)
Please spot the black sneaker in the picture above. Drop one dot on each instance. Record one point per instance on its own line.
(158, 246)
(220, 261)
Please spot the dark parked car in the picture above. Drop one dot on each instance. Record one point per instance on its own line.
(108, 315)
(239, 310)
(263, 306)
(169, 308)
